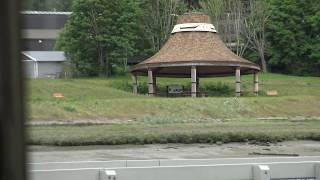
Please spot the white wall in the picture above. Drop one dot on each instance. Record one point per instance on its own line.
(43, 70)
(49, 69)
(29, 69)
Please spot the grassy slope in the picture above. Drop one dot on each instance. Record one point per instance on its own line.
(172, 119)
(96, 99)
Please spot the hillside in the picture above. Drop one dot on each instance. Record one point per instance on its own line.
(293, 114)
(104, 99)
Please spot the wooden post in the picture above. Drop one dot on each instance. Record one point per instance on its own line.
(238, 82)
(255, 83)
(150, 83)
(135, 84)
(194, 81)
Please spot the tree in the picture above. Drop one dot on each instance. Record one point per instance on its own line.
(294, 36)
(241, 24)
(227, 16)
(99, 34)
(254, 27)
(160, 17)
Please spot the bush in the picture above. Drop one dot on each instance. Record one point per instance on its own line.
(213, 89)
(217, 89)
(120, 70)
(122, 85)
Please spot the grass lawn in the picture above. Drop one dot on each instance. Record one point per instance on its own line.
(142, 119)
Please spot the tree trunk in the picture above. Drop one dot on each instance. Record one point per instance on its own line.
(263, 62)
(108, 68)
(101, 61)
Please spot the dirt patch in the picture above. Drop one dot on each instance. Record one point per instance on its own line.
(171, 151)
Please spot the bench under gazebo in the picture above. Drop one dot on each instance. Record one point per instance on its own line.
(194, 50)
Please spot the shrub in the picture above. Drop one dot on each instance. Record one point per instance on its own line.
(217, 89)
(122, 85)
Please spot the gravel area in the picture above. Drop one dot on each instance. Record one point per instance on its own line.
(170, 151)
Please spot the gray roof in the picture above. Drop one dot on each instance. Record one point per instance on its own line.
(44, 19)
(46, 56)
(46, 12)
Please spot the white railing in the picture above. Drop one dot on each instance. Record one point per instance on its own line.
(201, 169)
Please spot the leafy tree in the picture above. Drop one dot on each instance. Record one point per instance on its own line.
(294, 36)
(99, 34)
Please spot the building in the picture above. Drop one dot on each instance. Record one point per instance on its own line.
(40, 29)
(43, 64)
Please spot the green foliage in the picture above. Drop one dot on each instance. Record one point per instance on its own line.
(100, 98)
(293, 34)
(218, 89)
(167, 132)
(99, 35)
(213, 89)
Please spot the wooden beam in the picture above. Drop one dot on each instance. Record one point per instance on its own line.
(238, 82)
(255, 83)
(193, 81)
(150, 83)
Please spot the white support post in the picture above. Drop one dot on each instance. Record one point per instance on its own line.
(135, 84)
(35, 69)
(37, 65)
(194, 81)
(261, 172)
(255, 83)
(150, 83)
(238, 82)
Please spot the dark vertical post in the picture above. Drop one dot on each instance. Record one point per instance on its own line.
(154, 79)
(12, 150)
(255, 83)
(150, 83)
(198, 86)
(194, 81)
(238, 82)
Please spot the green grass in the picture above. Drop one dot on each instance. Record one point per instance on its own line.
(98, 99)
(157, 119)
(204, 132)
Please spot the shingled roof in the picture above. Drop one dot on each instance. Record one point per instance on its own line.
(203, 49)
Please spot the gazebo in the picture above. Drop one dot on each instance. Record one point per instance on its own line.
(194, 50)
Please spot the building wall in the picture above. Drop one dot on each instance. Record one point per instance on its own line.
(50, 69)
(29, 69)
(40, 31)
(36, 45)
(44, 21)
